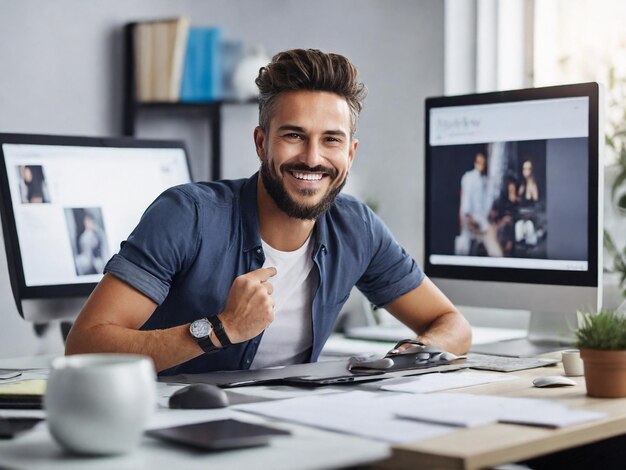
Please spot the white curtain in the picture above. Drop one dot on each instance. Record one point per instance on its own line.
(488, 45)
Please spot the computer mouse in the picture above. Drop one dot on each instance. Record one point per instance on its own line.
(553, 381)
(199, 396)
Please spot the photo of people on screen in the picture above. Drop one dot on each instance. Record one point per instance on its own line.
(33, 188)
(87, 236)
(477, 230)
(499, 200)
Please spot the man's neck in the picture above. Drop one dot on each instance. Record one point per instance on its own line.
(278, 230)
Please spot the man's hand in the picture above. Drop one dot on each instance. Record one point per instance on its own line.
(435, 320)
(250, 306)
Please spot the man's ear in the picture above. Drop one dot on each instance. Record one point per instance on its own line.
(354, 143)
(259, 143)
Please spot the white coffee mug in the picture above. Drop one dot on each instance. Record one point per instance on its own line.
(572, 363)
(100, 403)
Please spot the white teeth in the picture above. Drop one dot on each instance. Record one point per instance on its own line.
(308, 176)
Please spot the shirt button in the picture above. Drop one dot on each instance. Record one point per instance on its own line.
(258, 250)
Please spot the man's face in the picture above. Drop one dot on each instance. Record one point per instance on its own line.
(480, 163)
(306, 153)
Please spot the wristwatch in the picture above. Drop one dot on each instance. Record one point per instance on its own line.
(201, 332)
(218, 328)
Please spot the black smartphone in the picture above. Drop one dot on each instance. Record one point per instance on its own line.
(219, 435)
(9, 427)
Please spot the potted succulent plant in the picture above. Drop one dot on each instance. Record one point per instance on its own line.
(601, 338)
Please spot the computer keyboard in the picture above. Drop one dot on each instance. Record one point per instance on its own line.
(506, 364)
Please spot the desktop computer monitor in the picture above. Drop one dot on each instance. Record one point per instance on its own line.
(513, 194)
(67, 203)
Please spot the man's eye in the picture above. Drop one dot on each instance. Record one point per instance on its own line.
(295, 136)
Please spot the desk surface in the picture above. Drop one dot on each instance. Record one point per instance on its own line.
(497, 444)
(308, 448)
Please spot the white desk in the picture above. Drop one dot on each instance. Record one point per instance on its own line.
(306, 448)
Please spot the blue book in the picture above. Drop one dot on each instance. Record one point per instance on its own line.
(202, 77)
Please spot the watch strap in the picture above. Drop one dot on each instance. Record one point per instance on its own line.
(207, 345)
(218, 329)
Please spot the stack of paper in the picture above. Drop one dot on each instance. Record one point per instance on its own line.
(393, 417)
(436, 382)
(467, 410)
(23, 388)
(365, 414)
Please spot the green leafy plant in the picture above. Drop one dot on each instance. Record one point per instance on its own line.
(604, 330)
(619, 259)
(615, 139)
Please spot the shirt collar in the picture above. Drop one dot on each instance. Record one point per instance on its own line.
(250, 214)
(250, 220)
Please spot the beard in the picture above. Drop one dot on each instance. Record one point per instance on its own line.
(276, 189)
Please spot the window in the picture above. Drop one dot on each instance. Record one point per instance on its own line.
(582, 41)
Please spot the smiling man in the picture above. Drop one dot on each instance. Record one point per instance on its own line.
(253, 273)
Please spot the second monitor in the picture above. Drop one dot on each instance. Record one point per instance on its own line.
(513, 215)
(67, 203)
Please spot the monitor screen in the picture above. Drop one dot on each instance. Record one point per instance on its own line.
(68, 203)
(513, 185)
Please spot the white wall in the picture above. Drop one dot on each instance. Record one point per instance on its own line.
(61, 69)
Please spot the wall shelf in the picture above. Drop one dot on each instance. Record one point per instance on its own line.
(132, 108)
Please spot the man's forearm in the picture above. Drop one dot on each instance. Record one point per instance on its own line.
(167, 348)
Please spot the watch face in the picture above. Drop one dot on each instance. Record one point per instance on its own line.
(200, 328)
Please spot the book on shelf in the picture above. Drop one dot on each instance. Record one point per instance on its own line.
(159, 49)
(174, 62)
(202, 72)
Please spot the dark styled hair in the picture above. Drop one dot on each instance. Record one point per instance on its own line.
(309, 69)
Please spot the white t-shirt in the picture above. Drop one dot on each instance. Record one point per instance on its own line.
(289, 337)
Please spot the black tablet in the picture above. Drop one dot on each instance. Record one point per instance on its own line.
(219, 435)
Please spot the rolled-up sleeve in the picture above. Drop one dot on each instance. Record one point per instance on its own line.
(164, 242)
(391, 272)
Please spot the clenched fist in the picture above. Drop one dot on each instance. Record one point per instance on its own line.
(250, 306)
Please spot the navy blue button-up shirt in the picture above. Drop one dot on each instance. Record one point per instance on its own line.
(195, 239)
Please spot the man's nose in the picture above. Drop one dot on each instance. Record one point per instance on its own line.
(312, 155)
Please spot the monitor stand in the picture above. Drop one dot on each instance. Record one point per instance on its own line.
(547, 332)
(42, 311)
(45, 310)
